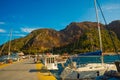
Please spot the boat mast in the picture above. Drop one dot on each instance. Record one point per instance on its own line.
(9, 44)
(99, 31)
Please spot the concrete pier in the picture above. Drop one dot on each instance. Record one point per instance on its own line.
(24, 70)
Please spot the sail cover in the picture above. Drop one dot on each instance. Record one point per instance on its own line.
(96, 53)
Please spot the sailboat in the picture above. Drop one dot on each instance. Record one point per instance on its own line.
(9, 45)
(90, 70)
(9, 59)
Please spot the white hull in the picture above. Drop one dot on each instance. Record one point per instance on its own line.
(89, 71)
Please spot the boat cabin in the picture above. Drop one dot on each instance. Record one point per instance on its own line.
(50, 62)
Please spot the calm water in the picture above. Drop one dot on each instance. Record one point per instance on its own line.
(85, 60)
(107, 59)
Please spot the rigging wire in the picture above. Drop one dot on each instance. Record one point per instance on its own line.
(109, 32)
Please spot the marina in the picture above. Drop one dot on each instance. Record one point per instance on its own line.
(81, 51)
(27, 69)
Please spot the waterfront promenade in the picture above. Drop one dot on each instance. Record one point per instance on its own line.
(24, 70)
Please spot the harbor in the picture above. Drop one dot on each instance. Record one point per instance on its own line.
(86, 49)
(28, 69)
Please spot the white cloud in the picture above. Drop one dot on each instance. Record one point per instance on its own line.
(13, 35)
(2, 22)
(22, 35)
(2, 30)
(16, 32)
(111, 7)
(28, 30)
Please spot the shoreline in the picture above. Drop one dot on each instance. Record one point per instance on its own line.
(110, 53)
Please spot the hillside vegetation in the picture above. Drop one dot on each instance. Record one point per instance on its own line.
(75, 38)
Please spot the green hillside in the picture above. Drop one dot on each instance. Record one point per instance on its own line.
(75, 38)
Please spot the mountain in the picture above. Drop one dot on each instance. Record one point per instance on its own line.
(115, 26)
(76, 37)
(38, 41)
(44, 39)
(85, 38)
(75, 30)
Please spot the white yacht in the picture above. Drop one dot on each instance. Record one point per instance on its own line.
(88, 71)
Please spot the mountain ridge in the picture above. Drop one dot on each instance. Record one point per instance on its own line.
(83, 34)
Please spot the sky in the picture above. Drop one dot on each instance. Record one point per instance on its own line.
(23, 16)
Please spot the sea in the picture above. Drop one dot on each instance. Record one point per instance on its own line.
(85, 60)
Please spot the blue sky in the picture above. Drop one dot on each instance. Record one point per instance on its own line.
(23, 16)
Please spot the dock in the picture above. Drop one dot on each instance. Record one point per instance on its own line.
(44, 74)
(25, 70)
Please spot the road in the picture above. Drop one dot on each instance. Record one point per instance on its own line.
(23, 70)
